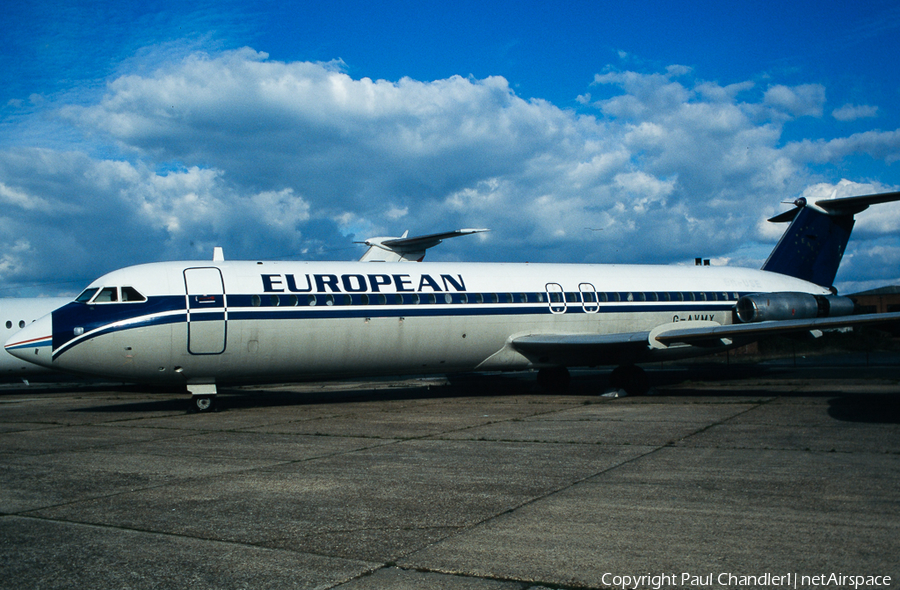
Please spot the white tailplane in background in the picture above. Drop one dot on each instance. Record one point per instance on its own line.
(404, 249)
(205, 324)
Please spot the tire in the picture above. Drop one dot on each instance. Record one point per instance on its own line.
(203, 403)
(554, 379)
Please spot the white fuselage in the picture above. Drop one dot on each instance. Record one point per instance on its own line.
(239, 321)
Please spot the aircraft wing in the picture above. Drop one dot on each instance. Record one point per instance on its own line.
(632, 347)
(707, 335)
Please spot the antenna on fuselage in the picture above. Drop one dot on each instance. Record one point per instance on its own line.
(218, 254)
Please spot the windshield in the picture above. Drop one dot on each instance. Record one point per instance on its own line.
(110, 295)
(86, 295)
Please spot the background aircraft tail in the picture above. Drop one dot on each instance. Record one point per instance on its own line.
(813, 245)
(405, 249)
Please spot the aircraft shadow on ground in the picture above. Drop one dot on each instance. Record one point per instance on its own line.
(856, 407)
(866, 408)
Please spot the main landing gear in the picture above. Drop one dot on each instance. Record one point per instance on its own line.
(554, 379)
(631, 379)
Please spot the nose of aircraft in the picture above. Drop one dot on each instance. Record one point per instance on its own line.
(34, 342)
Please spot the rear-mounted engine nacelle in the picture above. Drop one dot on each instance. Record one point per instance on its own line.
(762, 307)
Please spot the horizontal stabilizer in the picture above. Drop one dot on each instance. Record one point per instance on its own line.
(839, 206)
(397, 249)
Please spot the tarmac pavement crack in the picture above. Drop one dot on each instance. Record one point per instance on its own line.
(655, 449)
(136, 530)
(756, 405)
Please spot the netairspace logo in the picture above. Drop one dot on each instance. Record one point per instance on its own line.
(767, 580)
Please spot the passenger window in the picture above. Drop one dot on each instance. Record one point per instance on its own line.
(293, 301)
(274, 300)
(21, 323)
(8, 325)
(255, 301)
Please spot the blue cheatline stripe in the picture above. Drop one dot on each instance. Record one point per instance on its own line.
(111, 318)
(380, 311)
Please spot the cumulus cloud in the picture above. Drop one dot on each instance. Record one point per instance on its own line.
(806, 100)
(288, 159)
(850, 112)
(881, 145)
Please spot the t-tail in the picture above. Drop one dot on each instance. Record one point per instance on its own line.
(813, 245)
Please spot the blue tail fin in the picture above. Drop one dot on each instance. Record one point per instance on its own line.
(813, 245)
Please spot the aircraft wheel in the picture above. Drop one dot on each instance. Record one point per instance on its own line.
(554, 380)
(631, 378)
(203, 403)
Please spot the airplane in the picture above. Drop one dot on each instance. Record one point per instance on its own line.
(14, 311)
(204, 324)
(15, 314)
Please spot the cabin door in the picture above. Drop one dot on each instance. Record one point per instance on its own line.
(206, 311)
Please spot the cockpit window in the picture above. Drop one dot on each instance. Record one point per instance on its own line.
(111, 295)
(107, 295)
(86, 295)
(131, 294)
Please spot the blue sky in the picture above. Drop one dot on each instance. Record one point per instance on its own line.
(577, 131)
